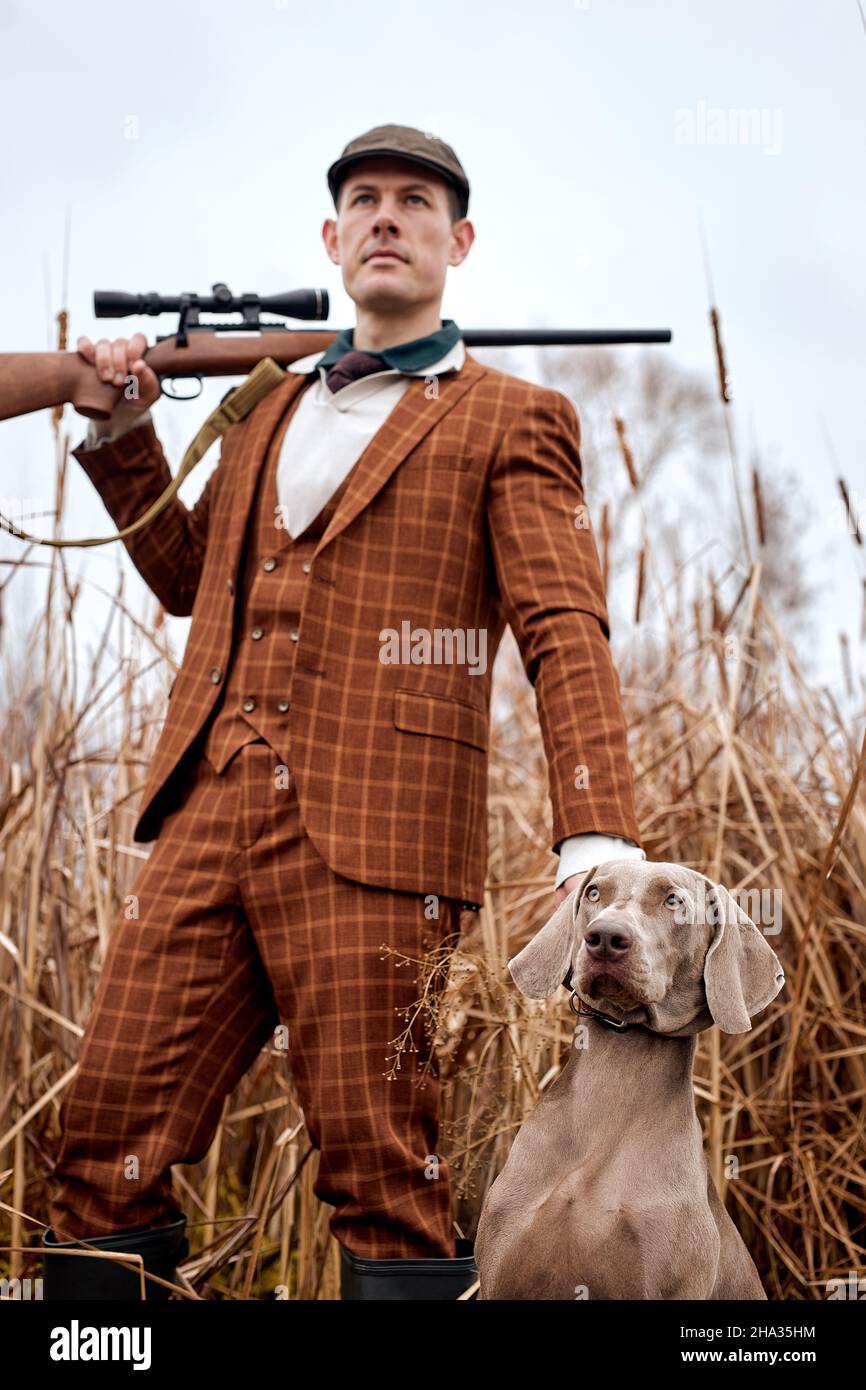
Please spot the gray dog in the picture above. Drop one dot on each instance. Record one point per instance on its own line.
(606, 1193)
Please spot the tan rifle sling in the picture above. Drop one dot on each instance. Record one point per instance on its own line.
(239, 402)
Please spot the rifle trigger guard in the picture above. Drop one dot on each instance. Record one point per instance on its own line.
(171, 395)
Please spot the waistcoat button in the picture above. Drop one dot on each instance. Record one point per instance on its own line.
(230, 585)
(216, 675)
(294, 634)
(306, 567)
(269, 564)
(282, 706)
(256, 633)
(249, 705)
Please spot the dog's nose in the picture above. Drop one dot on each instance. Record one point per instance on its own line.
(608, 940)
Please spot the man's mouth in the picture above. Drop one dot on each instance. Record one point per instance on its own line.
(381, 255)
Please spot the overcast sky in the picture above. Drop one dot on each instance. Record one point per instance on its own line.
(187, 142)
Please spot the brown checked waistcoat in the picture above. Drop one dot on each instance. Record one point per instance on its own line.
(254, 699)
(464, 512)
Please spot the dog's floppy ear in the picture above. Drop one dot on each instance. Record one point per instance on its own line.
(542, 965)
(741, 972)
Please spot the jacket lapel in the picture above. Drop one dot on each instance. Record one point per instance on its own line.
(412, 418)
(261, 426)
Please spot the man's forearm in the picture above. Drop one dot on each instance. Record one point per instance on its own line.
(127, 466)
(584, 732)
(553, 596)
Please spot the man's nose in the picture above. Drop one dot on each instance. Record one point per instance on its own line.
(386, 218)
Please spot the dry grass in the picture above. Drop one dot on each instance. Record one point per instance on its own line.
(742, 771)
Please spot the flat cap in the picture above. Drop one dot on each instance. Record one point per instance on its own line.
(421, 146)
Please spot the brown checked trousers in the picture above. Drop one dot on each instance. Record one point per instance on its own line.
(242, 927)
(228, 945)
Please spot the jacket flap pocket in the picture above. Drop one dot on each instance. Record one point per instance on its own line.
(442, 716)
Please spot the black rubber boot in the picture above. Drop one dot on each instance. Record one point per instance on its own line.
(422, 1278)
(75, 1277)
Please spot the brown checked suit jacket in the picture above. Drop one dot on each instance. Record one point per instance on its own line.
(465, 511)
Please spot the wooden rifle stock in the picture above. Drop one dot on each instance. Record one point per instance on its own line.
(36, 380)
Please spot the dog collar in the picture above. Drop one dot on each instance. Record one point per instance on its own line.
(583, 1008)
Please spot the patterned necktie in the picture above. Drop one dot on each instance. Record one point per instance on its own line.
(351, 367)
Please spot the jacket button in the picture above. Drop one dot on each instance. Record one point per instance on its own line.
(306, 567)
(249, 705)
(294, 634)
(256, 633)
(216, 675)
(230, 585)
(269, 564)
(282, 706)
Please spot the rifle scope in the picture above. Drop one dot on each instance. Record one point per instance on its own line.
(294, 304)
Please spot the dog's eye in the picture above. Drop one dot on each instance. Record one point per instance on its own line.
(592, 893)
(673, 900)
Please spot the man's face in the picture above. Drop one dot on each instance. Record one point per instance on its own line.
(393, 237)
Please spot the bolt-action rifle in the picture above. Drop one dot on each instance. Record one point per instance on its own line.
(35, 380)
(258, 348)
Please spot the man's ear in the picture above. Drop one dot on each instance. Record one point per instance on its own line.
(541, 967)
(742, 974)
(329, 237)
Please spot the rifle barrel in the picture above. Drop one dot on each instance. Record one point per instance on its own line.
(562, 337)
(472, 337)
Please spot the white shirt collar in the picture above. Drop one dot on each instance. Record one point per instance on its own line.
(452, 361)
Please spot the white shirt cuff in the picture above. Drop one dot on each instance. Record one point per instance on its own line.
(578, 853)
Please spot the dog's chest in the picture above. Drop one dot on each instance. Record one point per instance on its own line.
(616, 1225)
(581, 1243)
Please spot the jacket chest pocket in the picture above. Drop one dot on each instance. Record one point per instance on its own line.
(441, 716)
(453, 459)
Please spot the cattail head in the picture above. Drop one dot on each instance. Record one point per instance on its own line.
(724, 384)
(641, 572)
(625, 450)
(759, 507)
(853, 524)
(62, 336)
(605, 545)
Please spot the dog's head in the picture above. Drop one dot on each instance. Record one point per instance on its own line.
(657, 944)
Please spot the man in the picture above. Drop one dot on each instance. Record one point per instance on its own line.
(319, 786)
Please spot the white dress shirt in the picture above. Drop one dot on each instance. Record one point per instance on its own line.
(326, 436)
